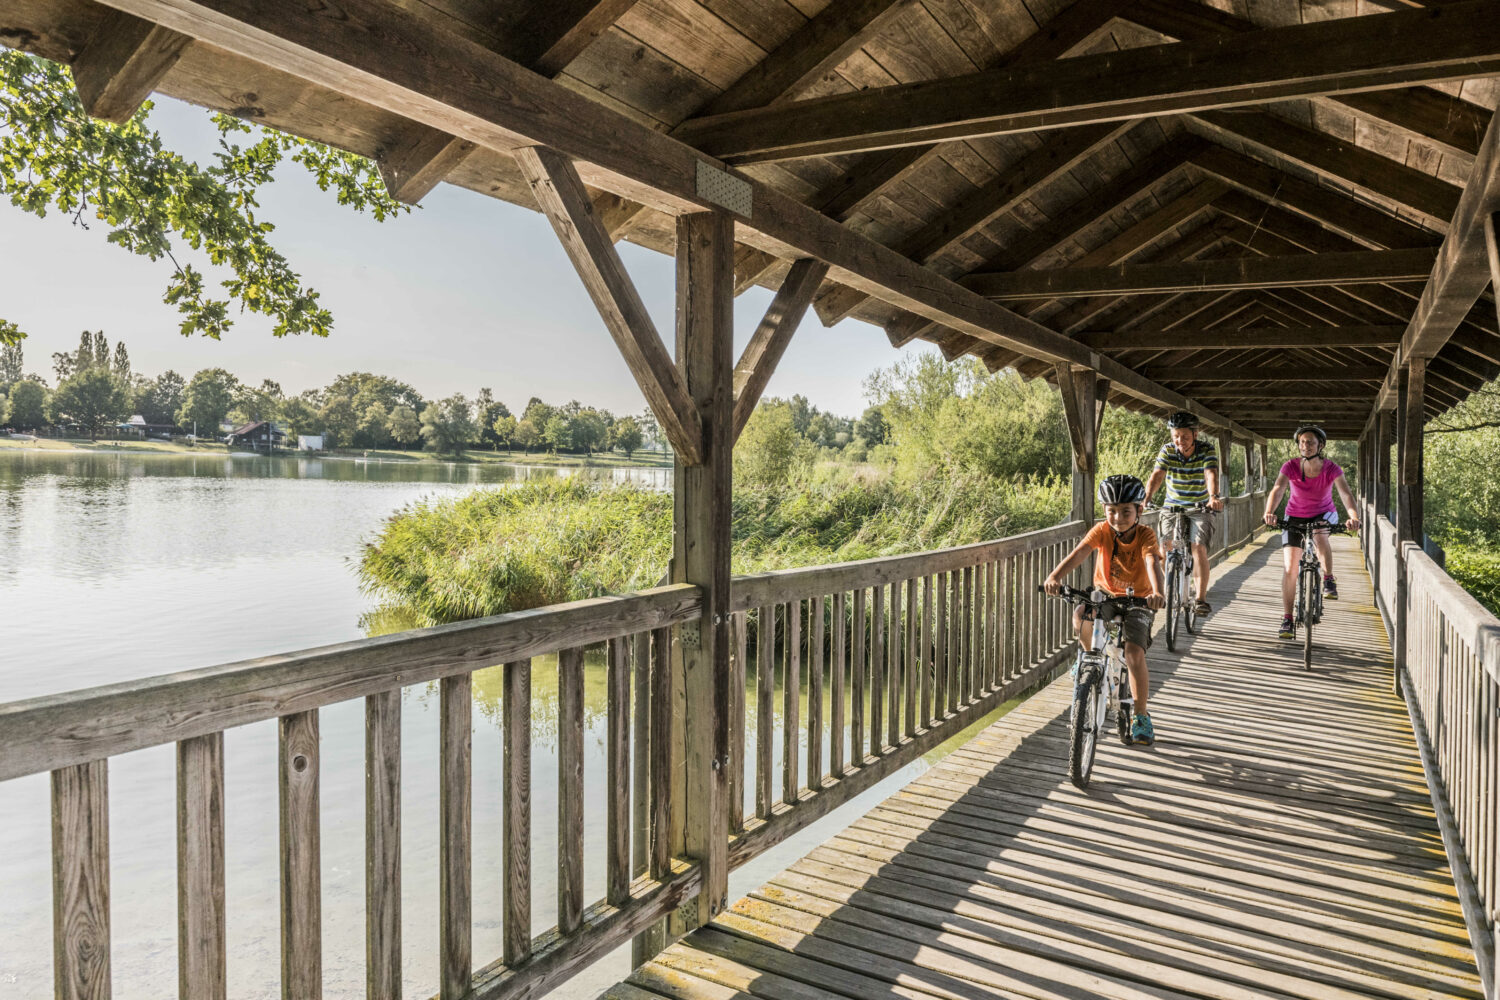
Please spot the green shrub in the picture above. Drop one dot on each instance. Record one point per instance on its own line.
(1478, 572)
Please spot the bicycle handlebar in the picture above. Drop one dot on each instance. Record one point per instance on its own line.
(1282, 524)
(1073, 595)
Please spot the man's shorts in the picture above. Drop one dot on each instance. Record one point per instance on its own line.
(1136, 627)
(1199, 525)
(1292, 537)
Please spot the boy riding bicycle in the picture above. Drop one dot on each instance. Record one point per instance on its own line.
(1127, 560)
(1191, 470)
(1311, 480)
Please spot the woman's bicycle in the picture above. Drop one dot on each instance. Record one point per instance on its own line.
(1181, 610)
(1309, 606)
(1101, 683)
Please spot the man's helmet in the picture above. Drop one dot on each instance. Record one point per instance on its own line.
(1182, 418)
(1122, 489)
(1313, 429)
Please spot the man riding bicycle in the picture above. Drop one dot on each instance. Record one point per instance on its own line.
(1191, 470)
(1126, 560)
(1311, 479)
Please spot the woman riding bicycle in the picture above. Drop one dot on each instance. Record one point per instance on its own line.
(1311, 480)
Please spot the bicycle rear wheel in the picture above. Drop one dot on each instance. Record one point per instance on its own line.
(1309, 612)
(1084, 738)
(1174, 606)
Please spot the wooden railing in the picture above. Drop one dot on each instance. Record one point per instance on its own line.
(1450, 675)
(857, 668)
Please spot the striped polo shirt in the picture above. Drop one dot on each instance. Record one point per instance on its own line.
(1186, 483)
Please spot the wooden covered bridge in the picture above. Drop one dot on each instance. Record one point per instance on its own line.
(1258, 211)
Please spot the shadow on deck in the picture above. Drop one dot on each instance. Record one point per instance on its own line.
(1277, 841)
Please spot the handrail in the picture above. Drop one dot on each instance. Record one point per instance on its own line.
(1450, 676)
(857, 669)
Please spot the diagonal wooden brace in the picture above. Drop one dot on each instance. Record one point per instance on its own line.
(770, 339)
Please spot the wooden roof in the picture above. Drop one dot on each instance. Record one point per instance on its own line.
(1098, 168)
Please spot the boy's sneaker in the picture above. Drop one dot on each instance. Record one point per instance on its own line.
(1141, 731)
(1288, 630)
(1330, 589)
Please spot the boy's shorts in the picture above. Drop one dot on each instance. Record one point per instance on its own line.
(1136, 627)
(1199, 527)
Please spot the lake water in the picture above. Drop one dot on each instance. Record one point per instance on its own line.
(116, 566)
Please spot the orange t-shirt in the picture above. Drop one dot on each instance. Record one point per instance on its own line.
(1121, 564)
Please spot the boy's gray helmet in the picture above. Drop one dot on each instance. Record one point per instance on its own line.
(1122, 489)
(1182, 418)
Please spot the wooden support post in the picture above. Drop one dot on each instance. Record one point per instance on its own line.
(1492, 249)
(1265, 468)
(1411, 379)
(1382, 459)
(701, 513)
(1079, 392)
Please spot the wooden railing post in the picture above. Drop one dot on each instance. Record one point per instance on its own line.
(701, 512)
(1382, 460)
(1079, 390)
(1409, 410)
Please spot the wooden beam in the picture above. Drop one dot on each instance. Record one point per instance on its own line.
(389, 58)
(1241, 339)
(1338, 160)
(1081, 414)
(617, 215)
(772, 336)
(1428, 115)
(816, 48)
(417, 160)
(123, 61)
(1463, 268)
(1214, 372)
(1292, 271)
(1306, 60)
(560, 192)
(556, 32)
(1492, 250)
(1223, 392)
(1330, 209)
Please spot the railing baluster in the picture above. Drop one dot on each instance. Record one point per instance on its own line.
(663, 707)
(913, 662)
(967, 693)
(569, 789)
(815, 693)
(301, 879)
(80, 881)
(925, 662)
(738, 625)
(200, 868)
(877, 670)
(894, 645)
(382, 847)
(765, 689)
(455, 809)
(857, 694)
(516, 790)
(617, 771)
(995, 630)
(836, 716)
(940, 667)
(641, 735)
(791, 704)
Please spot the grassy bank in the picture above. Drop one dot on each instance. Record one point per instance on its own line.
(542, 543)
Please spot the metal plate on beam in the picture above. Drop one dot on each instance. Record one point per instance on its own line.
(723, 189)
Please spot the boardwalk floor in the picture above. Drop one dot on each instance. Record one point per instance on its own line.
(1278, 841)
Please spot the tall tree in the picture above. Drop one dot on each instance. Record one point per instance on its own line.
(92, 399)
(101, 349)
(448, 425)
(627, 435)
(403, 425)
(158, 400)
(26, 406)
(206, 400)
(11, 359)
(505, 430)
(340, 422)
(487, 410)
(53, 155)
(374, 429)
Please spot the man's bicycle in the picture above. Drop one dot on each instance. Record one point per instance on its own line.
(1181, 610)
(1309, 606)
(1101, 683)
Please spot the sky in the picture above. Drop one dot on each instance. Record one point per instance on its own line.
(464, 292)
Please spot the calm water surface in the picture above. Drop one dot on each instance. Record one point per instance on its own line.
(120, 566)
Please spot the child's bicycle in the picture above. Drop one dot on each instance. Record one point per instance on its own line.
(1309, 606)
(1101, 683)
(1181, 610)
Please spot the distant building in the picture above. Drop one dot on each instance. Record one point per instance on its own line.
(309, 442)
(259, 436)
(138, 427)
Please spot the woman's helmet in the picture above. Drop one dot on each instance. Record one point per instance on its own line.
(1182, 418)
(1313, 429)
(1122, 489)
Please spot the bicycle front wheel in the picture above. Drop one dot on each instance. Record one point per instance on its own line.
(1308, 609)
(1084, 738)
(1174, 606)
(1189, 606)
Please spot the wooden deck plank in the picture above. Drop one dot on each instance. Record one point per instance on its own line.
(1277, 841)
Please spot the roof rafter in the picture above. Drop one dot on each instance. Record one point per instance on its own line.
(1307, 60)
